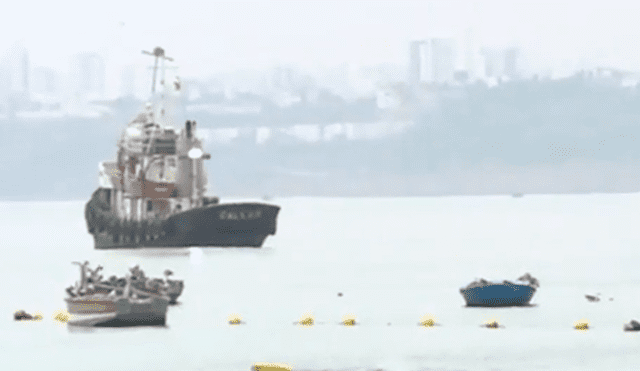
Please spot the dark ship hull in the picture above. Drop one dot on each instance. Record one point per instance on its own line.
(498, 295)
(217, 225)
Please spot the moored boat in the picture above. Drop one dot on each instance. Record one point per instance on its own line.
(153, 193)
(126, 307)
(171, 288)
(482, 293)
(144, 285)
(117, 310)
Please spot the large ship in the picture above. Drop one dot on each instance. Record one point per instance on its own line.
(153, 194)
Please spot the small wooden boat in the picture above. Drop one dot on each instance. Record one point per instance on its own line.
(483, 293)
(117, 310)
(91, 306)
(172, 288)
(154, 286)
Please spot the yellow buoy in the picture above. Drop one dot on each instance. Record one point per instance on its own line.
(307, 320)
(581, 325)
(492, 323)
(263, 366)
(427, 320)
(235, 319)
(349, 320)
(61, 315)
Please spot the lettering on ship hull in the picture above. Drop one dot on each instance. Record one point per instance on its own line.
(240, 215)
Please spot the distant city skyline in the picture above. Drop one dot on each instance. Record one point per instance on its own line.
(221, 35)
(209, 39)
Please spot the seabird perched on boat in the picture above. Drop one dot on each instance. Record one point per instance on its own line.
(527, 277)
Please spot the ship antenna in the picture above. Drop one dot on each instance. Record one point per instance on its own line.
(158, 53)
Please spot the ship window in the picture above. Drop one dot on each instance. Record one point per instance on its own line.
(149, 206)
(164, 146)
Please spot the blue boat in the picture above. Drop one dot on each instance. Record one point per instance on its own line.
(483, 293)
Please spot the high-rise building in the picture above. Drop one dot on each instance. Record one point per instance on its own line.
(14, 79)
(415, 61)
(493, 62)
(432, 60)
(470, 53)
(282, 78)
(443, 60)
(501, 62)
(128, 81)
(88, 75)
(15, 65)
(511, 56)
(45, 81)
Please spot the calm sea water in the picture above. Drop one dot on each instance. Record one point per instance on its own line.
(393, 259)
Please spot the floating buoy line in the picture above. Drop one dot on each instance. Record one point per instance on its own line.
(309, 320)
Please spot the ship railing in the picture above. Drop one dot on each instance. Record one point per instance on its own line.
(103, 286)
(136, 147)
(149, 294)
(107, 287)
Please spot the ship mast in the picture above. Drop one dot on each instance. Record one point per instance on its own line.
(159, 55)
(191, 155)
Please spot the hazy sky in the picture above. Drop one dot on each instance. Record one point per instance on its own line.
(206, 36)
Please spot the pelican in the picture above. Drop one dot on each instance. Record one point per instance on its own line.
(593, 298)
